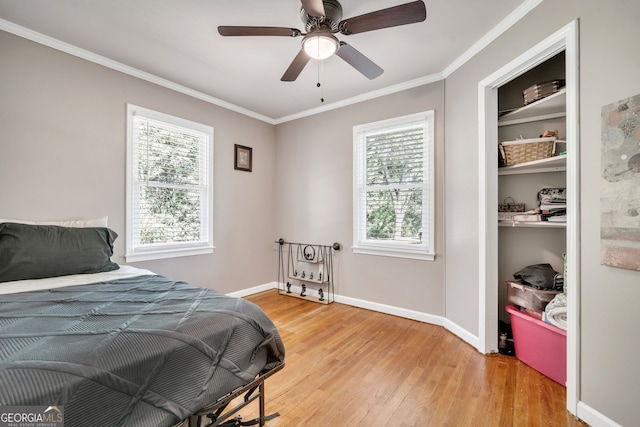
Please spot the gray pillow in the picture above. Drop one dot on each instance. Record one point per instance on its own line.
(38, 251)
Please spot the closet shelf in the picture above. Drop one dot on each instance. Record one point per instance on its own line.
(550, 164)
(539, 224)
(553, 106)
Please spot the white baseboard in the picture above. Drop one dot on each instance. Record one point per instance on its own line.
(382, 308)
(389, 309)
(407, 314)
(593, 417)
(455, 329)
(462, 333)
(254, 290)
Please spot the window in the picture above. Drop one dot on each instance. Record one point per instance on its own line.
(169, 186)
(393, 187)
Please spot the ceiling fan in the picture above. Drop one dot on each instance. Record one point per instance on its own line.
(322, 19)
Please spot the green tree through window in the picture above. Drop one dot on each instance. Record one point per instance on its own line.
(393, 187)
(168, 173)
(169, 186)
(395, 162)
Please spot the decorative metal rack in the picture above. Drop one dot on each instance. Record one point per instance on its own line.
(309, 271)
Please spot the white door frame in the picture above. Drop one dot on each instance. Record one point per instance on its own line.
(565, 39)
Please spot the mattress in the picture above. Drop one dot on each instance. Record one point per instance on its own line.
(135, 350)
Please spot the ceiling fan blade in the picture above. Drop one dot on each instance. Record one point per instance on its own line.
(408, 13)
(313, 7)
(296, 67)
(358, 61)
(258, 31)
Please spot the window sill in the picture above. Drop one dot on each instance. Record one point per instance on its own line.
(169, 253)
(394, 252)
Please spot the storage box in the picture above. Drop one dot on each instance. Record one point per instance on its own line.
(527, 150)
(507, 216)
(541, 90)
(540, 345)
(526, 217)
(528, 297)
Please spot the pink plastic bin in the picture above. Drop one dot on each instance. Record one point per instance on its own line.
(539, 344)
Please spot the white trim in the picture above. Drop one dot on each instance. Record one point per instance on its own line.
(171, 253)
(123, 68)
(565, 39)
(254, 290)
(487, 221)
(364, 97)
(394, 252)
(594, 418)
(419, 316)
(390, 309)
(506, 23)
(488, 38)
(572, 61)
(383, 308)
(461, 333)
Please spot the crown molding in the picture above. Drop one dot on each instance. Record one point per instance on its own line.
(126, 69)
(364, 97)
(488, 38)
(477, 47)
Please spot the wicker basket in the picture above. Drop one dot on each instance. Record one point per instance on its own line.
(527, 150)
(510, 205)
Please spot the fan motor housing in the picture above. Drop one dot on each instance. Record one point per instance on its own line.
(330, 21)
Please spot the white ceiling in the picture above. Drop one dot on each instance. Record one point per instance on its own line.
(177, 41)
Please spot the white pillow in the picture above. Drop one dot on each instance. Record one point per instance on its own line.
(77, 223)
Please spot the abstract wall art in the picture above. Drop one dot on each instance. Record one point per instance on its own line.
(620, 187)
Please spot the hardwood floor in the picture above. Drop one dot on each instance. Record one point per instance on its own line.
(347, 366)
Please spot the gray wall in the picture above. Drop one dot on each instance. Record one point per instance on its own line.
(62, 156)
(610, 375)
(315, 199)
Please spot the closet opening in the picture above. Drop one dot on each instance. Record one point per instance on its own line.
(507, 245)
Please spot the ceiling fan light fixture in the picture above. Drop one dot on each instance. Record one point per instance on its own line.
(320, 45)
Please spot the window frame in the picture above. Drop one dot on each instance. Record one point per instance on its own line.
(362, 245)
(135, 252)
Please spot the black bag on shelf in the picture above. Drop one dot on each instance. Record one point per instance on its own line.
(540, 276)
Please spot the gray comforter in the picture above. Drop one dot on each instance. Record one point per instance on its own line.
(144, 351)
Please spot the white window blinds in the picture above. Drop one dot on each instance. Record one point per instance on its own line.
(394, 186)
(170, 186)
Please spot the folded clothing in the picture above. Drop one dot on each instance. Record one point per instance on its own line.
(555, 312)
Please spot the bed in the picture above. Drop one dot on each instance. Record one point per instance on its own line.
(114, 345)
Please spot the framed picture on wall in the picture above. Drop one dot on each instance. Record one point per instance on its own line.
(243, 158)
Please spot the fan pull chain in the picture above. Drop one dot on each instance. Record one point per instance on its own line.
(319, 85)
